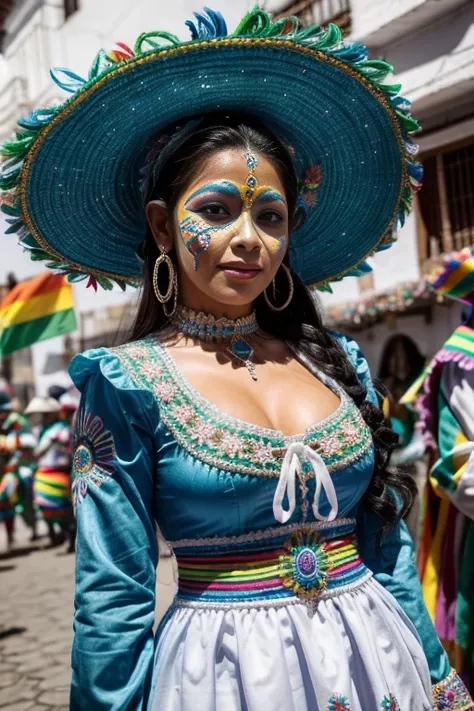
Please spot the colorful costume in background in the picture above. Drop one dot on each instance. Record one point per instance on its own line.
(285, 601)
(10, 492)
(446, 557)
(52, 486)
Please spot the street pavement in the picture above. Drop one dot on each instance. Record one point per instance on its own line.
(36, 608)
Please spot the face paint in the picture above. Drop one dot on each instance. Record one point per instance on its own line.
(196, 235)
(196, 232)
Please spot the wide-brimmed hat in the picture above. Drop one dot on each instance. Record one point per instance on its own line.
(42, 405)
(72, 172)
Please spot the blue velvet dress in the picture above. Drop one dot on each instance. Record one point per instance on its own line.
(285, 600)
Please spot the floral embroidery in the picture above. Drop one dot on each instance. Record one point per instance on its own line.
(309, 185)
(389, 703)
(339, 703)
(94, 451)
(220, 440)
(451, 694)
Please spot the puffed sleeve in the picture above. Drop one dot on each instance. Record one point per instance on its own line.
(360, 365)
(117, 552)
(392, 561)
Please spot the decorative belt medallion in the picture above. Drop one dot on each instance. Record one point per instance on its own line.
(304, 565)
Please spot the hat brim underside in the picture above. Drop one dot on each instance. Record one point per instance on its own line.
(80, 195)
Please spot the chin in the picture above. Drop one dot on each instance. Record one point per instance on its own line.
(235, 296)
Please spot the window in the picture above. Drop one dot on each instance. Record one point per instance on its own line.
(446, 203)
(321, 12)
(70, 7)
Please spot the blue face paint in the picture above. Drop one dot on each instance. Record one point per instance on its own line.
(269, 195)
(222, 187)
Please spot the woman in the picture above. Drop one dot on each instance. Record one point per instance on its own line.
(197, 424)
(52, 482)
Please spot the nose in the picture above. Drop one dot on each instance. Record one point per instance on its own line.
(246, 236)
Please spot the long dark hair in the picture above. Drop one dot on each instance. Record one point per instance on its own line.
(390, 494)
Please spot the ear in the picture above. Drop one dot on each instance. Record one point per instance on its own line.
(158, 218)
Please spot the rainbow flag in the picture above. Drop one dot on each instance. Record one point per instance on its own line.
(35, 310)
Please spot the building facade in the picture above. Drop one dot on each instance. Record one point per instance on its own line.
(431, 44)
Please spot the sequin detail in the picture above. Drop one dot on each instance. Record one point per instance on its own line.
(94, 452)
(451, 694)
(230, 444)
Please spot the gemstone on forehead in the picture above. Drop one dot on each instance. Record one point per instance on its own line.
(252, 161)
(251, 181)
(249, 193)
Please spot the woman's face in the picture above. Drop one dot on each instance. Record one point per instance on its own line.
(230, 230)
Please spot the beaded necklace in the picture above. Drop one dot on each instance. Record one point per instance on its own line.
(205, 327)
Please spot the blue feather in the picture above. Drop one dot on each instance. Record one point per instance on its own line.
(37, 118)
(67, 80)
(415, 170)
(360, 270)
(352, 52)
(209, 25)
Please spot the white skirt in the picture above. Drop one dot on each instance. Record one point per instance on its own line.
(358, 651)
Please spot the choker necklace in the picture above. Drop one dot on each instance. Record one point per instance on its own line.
(205, 327)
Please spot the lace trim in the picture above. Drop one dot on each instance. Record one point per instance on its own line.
(451, 694)
(266, 533)
(222, 441)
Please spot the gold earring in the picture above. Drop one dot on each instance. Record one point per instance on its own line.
(172, 292)
(290, 295)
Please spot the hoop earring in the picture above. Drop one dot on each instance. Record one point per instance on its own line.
(290, 295)
(172, 292)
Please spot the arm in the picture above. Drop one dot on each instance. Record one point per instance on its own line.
(117, 551)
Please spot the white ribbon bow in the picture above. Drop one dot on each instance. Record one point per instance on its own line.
(291, 469)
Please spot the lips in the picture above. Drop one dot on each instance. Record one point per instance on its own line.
(240, 270)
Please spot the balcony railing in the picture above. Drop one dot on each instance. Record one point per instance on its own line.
(321, 12)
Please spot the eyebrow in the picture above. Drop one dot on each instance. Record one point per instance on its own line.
(223, 186)
(270, 196)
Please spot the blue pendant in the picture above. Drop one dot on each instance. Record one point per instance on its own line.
(241, 349)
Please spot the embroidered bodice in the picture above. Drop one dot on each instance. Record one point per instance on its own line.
(235, 464)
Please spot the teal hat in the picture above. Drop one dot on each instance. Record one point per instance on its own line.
(71, 174)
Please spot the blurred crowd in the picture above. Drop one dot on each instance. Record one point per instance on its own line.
(36, 449)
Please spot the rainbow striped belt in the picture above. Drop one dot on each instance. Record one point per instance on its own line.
(304, 568)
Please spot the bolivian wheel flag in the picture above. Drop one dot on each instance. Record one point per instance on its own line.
(35, 310)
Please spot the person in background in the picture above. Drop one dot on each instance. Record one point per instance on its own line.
(446, 406)
(52, 482)
(25, 470)
(401, 366)
(69, 406)
(12, 424)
